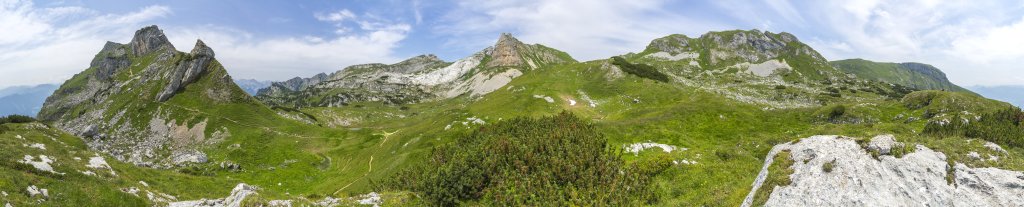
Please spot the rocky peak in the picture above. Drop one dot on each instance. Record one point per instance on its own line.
(672, 44)
(757, 46)
(201, 49)
(149, 39)
(110, 47)
(506, 52)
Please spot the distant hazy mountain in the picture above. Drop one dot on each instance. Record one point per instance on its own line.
(1011, 94)
(24, 100)
(250, 86)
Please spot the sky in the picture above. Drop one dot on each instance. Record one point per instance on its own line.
(974, 42)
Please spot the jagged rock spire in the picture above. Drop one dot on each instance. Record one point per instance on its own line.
(506, 52)
(201, 49)
(149, 39)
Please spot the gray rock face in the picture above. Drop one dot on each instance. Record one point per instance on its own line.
(883, 144)
(149, 39)
(732, 46)
(673, 44)
(114, 57)
(916, 179)
(238, 194)
(188, 71)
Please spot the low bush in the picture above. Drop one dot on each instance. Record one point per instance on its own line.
(552, 161)
(641, 70)
(1004, 127)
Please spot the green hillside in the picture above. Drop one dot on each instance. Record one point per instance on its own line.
(915, 75)
(686, 122)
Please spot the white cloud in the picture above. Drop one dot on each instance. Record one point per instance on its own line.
(586, 29)
(52, 44)
(960, 37)
(246, 56)
(416, 13)
(1001, 43)
(338, 16)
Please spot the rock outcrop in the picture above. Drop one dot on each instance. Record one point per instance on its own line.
(420, 78)
(149, 39)
(238, 194)
(188, 71)
(505, 52)
(921, 178)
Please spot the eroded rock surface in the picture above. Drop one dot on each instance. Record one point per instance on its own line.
(857, 179)
(238, 194)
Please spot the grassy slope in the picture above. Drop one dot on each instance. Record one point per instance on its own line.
(728, 139)
(76, 189)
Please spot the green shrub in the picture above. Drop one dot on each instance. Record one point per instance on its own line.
(641, 70)
(1003, 127)
(559, 160)
(835, 113)
(827, 167)
(255, 200)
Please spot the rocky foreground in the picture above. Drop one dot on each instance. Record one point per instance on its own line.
(855, 178)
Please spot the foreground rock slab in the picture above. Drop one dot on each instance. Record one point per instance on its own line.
(857, 179)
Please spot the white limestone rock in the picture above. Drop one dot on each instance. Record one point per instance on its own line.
(98, 162)
(635, 148)
(43, 164)
(857, 179)
(238, 194)
(883, 144)
(371, 198)
(34, 191)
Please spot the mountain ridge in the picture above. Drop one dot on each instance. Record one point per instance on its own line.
(423, 77)
(142, 77)
(695, 117)
(911, 74)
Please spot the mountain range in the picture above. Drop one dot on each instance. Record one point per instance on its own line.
(24, 100)
(741, 117)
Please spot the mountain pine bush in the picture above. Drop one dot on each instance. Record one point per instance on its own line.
(641, 70)
(558, 160)
(1004, 127)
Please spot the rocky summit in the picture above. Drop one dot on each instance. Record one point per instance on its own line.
(728, 118)
(119, 104)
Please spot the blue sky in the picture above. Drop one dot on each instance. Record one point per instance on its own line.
(974, 42)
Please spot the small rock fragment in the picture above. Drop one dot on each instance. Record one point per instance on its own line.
(974, 155)
(33, 191)
(883, 144)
